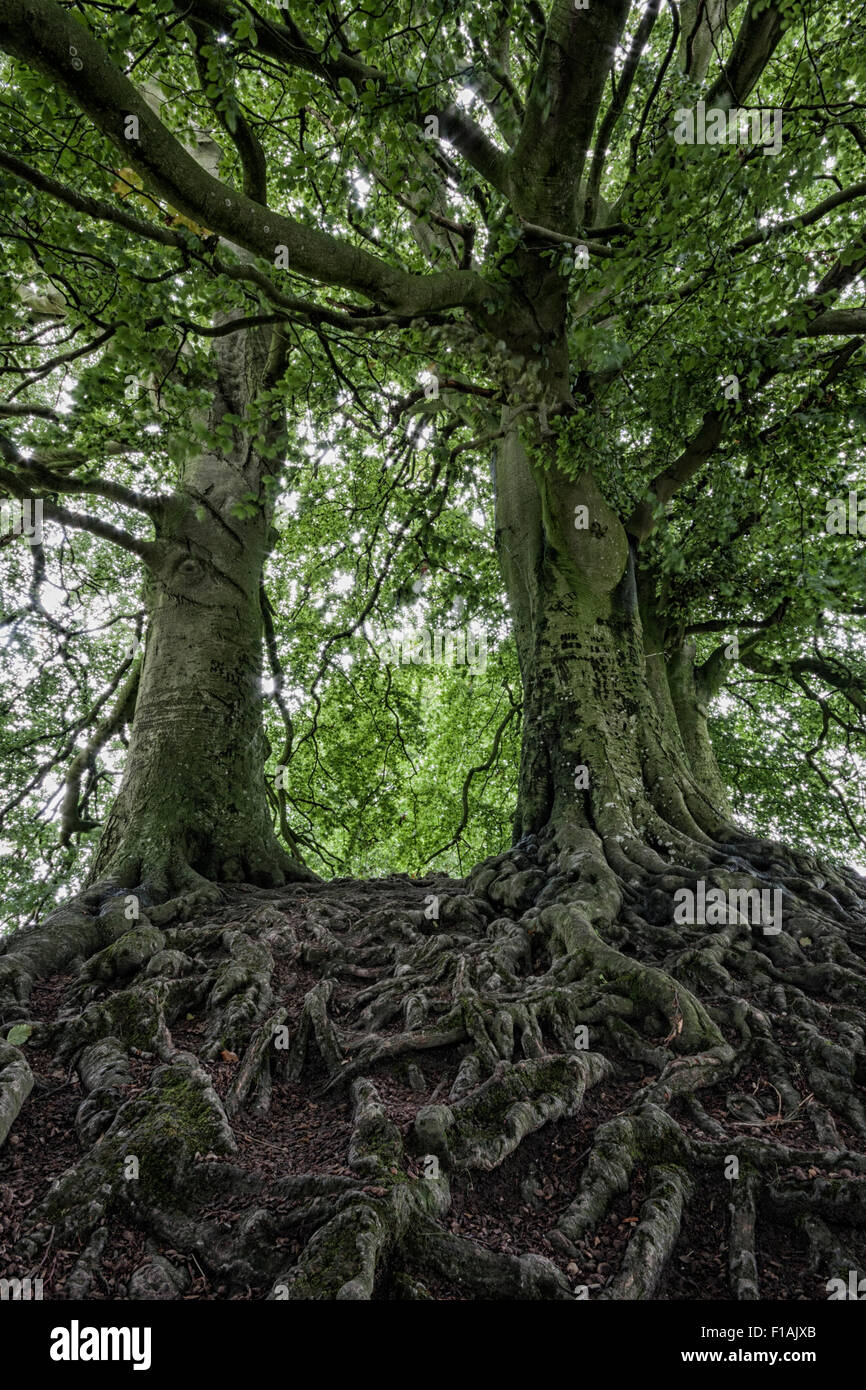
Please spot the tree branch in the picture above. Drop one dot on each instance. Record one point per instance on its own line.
(81, 521)
(71, 821)
(754, 46)
(567, 89)
(664, 485)
(287, 44)
(31, 471)
(93, 207)
(238, 129)
(837, 321)
(42, 34)
(165, 236)
(617, 106)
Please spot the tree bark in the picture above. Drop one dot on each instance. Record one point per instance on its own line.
(193, 801)
(612, 739)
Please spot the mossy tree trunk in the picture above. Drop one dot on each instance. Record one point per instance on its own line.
(614, 731)
(193, 800)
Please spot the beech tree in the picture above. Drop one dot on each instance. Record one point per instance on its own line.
(612, 253)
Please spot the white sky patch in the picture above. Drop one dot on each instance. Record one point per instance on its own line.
(288, 505)
(362, 190)
(52, 598)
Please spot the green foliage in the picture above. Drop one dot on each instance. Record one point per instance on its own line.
(382, 491)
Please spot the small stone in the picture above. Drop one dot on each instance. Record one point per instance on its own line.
(415, 1078)
(151, 1282)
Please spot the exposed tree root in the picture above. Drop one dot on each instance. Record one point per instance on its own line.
(550, 994)
(742, 1264)
(16, 1082)
(480, 1273)
(655, 1236)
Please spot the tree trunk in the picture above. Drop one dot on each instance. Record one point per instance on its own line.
(553, 994)
(611, 739)
(193, 801)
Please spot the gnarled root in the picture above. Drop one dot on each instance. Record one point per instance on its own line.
(553, 1013)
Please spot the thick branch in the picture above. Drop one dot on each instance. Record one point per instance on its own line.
(841, 680)
(662, 488)
(232, 119)
(617, 106)
(42, 35)
(837, 321)
(755, 45)
(576, 56)
(32, 472)
(153, 231)
(81, 521)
